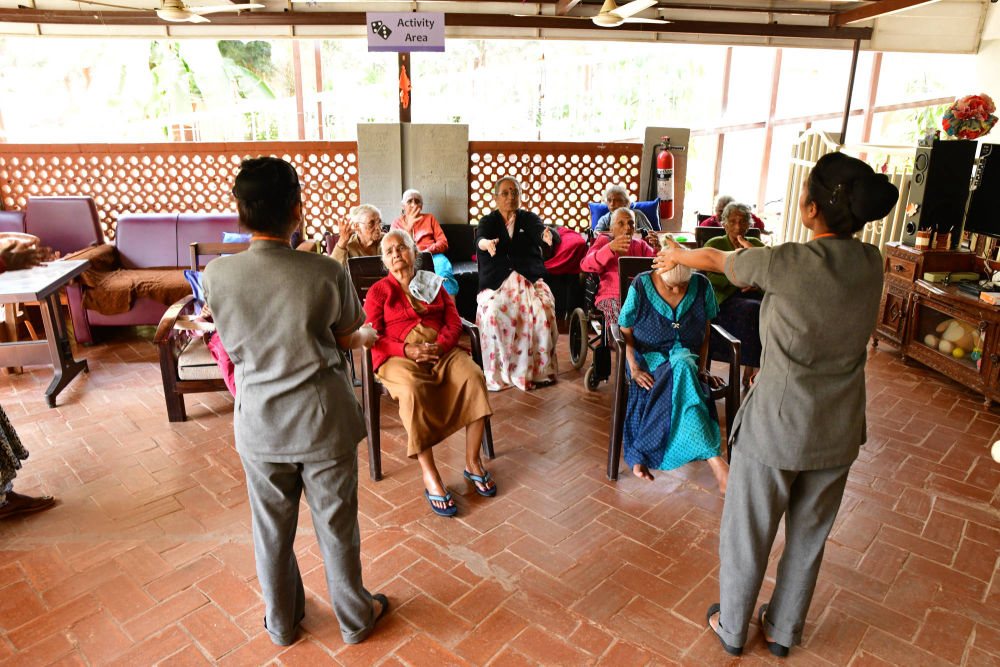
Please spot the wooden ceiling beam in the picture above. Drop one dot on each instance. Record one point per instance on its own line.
(143, 18)
(873, 10)
(563, 6)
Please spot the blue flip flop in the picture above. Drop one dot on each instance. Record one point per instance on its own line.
(451, 510)
(484, 480)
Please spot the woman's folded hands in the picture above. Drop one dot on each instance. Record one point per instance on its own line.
(423, 353)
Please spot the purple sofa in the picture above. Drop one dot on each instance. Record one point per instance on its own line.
(12, 221)
(146, 241)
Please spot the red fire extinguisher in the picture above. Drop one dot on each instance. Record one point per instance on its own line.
(665, 177)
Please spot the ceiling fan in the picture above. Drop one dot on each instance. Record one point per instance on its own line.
(611, 15)
(177, 11)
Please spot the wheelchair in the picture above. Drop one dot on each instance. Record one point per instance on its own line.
(588, 332)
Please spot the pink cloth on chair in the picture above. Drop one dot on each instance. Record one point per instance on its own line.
(569, 253)
(225, 363)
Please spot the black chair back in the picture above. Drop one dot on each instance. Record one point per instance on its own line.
(366, 271)
(628, 269)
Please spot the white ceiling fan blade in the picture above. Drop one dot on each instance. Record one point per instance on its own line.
(195, 18)
(633, 19)
(633, 7)
(212, 9)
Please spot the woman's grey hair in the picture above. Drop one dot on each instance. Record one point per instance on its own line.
(722, 200)
(363, 212)
(403, 235)
(733, 207)
(627, 211)
(409, 192)
(678, 275)
(496, 186)
(614, 190)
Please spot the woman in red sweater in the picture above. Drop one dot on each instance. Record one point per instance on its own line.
(439, 387)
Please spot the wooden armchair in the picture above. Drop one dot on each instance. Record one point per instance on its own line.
(365, 272)
(186, 365)
(628, 269)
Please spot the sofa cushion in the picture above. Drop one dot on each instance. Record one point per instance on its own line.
(64, 224)
(11, 221)
(147, 240)
(114, 292)
(102, 257)
(196, 362)
(465, 268)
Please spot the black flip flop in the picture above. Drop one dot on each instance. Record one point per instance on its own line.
(731, 650)
(779, 650)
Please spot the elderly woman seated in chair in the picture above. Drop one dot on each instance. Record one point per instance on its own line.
(361, 235)
(602, 259)
(439, 387)
(670, 418)
(739, 308)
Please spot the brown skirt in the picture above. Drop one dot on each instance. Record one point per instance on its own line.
(435, 401)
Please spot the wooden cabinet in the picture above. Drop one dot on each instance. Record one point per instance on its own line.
(923, 319)
(892, 314)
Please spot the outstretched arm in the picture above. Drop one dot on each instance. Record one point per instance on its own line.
(701, 259)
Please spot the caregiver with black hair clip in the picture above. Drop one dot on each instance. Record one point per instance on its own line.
(803, 420)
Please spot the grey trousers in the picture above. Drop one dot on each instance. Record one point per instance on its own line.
(331, 489)
(756, 498)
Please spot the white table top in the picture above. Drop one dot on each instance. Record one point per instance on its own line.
(38, 282)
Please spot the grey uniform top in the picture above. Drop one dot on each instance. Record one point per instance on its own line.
(806, 409)
(277, 311)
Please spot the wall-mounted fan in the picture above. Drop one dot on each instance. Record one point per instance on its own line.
(611, 15)
(176, 10)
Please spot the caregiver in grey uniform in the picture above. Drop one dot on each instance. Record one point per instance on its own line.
(803, 420)
(285, 318)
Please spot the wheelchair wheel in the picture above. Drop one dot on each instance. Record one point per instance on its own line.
(578, 344)
(591, 379)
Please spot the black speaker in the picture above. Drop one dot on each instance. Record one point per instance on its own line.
(983, 214)
(939, 188)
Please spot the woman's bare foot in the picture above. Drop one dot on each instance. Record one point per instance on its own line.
(721, 471)
(475, 466)
(642, 472)
(432, 479)
(435, 487)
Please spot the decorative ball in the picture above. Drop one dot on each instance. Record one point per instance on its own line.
(931, 340)
(995, 451)
(958, 353)
(976, 355)
(946, 346)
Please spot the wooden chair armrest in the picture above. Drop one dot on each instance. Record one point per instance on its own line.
(166, 325)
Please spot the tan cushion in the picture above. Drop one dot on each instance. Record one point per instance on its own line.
(196, 362)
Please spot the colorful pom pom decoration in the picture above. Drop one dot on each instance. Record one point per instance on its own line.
(970, 117)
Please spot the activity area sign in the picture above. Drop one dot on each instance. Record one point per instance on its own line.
(408, 31)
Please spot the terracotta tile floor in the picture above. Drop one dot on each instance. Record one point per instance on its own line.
(147, 558)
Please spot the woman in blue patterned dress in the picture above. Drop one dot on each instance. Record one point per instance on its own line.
(670, 418)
